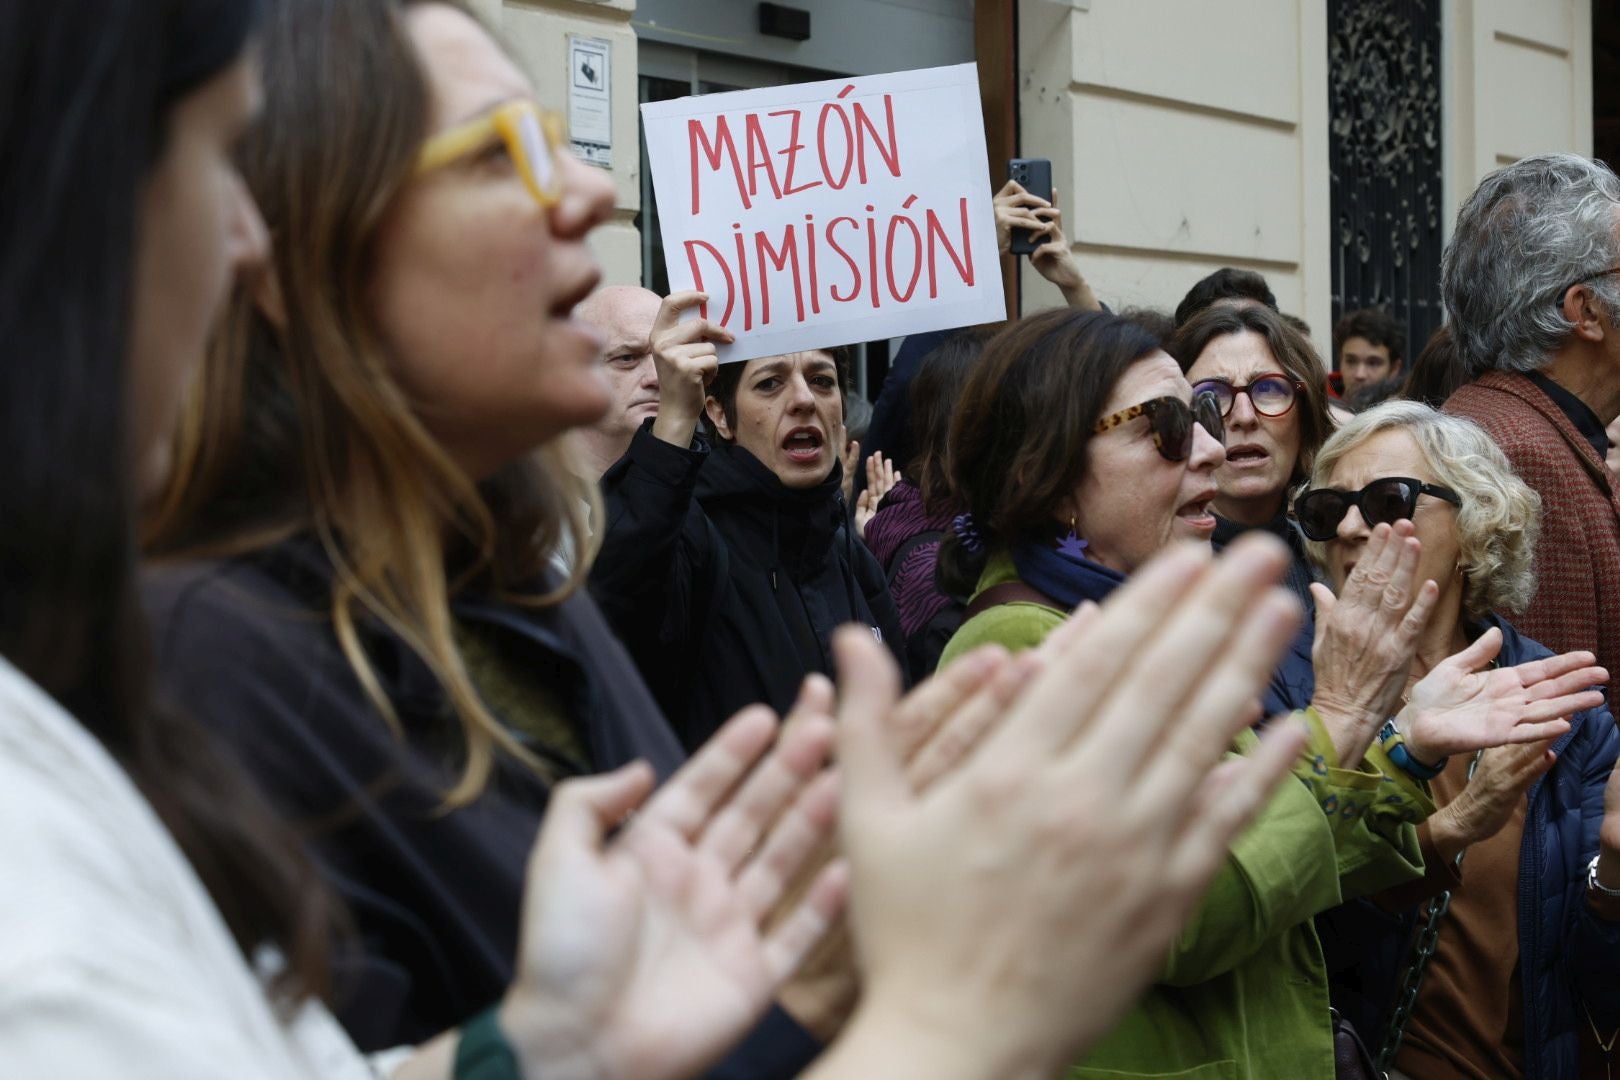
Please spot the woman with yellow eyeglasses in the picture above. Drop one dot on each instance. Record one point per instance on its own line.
(354, 586)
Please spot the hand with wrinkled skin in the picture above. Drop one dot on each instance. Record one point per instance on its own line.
(1009, 914)
(686, 358)
(1483, 808)
(1465, 705)
(1367, 637)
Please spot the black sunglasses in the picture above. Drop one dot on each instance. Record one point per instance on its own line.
(1171, 420)
(1382, 502)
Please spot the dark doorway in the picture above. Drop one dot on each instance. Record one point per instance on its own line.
(1385, 160)
(1606, 81)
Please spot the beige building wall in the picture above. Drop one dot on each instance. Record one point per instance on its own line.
(1185, 136)
(1518, 81)
(538, 32)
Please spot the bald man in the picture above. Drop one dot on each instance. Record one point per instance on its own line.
(624, 314)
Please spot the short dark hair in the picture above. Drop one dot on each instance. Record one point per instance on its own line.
(1019, 440)
(1293, 353)
(1380, 328)
(723, 387)
(1227, 283)
(1299, 324)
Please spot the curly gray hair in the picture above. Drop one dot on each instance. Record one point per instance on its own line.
(1500, 515)
(1528, 232)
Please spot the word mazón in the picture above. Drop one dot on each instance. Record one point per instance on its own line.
(881, 257)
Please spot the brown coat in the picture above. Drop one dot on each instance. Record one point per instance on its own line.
(1577, 601)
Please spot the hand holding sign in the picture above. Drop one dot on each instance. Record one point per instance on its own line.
(684, 354)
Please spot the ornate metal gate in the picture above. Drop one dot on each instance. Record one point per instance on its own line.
(1385, 157)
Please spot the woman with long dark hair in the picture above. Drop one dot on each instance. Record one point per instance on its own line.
(155, 919)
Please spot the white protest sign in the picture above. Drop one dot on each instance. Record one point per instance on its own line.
(826, 213)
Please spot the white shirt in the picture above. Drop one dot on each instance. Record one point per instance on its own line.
(114, 961)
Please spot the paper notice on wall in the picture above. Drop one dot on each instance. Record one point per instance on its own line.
(820, 214)
(590, 101)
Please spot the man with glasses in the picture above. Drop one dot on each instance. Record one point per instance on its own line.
(1531, 282)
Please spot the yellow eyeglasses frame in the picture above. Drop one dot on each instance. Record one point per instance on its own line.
(515, 123)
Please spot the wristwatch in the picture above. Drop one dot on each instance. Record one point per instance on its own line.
(1594, 884)
(1394, 744)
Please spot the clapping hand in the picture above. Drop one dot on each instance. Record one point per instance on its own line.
(1007, 915)
(1465, 705)
(644, 955)
(1367, 637)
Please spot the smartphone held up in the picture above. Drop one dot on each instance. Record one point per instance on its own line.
(1034, 175)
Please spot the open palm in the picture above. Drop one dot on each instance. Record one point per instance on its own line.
(1463, 705)
(646, 956)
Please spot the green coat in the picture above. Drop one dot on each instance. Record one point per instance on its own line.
(1244, 993)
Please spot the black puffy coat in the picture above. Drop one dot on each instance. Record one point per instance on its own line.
(726, 585)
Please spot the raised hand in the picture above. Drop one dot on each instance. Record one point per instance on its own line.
(1367, 637)
(684, 354)
(1008, 915)
(645, 956)
(1465, 705)
(1054, 260)
(881, 476)
(1015, 209)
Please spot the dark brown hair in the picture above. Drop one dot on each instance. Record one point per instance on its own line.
(1377, 327)
(70, 615)
(935, 391)
(1293, 353)
(1437, 371)
(1227, 283)
(1018, 443)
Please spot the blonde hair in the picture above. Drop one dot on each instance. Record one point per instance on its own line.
(298, 424)
(1500, 516)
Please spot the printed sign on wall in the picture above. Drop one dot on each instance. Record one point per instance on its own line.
(590, 99)
(820, 214)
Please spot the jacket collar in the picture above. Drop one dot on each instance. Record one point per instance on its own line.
(1520, 386)
(764, 520)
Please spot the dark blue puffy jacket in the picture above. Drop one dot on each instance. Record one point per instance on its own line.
(1566, 953)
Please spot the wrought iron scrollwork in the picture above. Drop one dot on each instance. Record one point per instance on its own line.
(1385, 159)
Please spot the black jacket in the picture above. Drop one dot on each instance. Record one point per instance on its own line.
(247, 647)
(726, 585)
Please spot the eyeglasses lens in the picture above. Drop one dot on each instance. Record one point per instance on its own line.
(1320, 512)
(1207, 409)
(1384, 502)
(536, 152)
(1271, 396)
(1222, 392)
(1172, 424)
